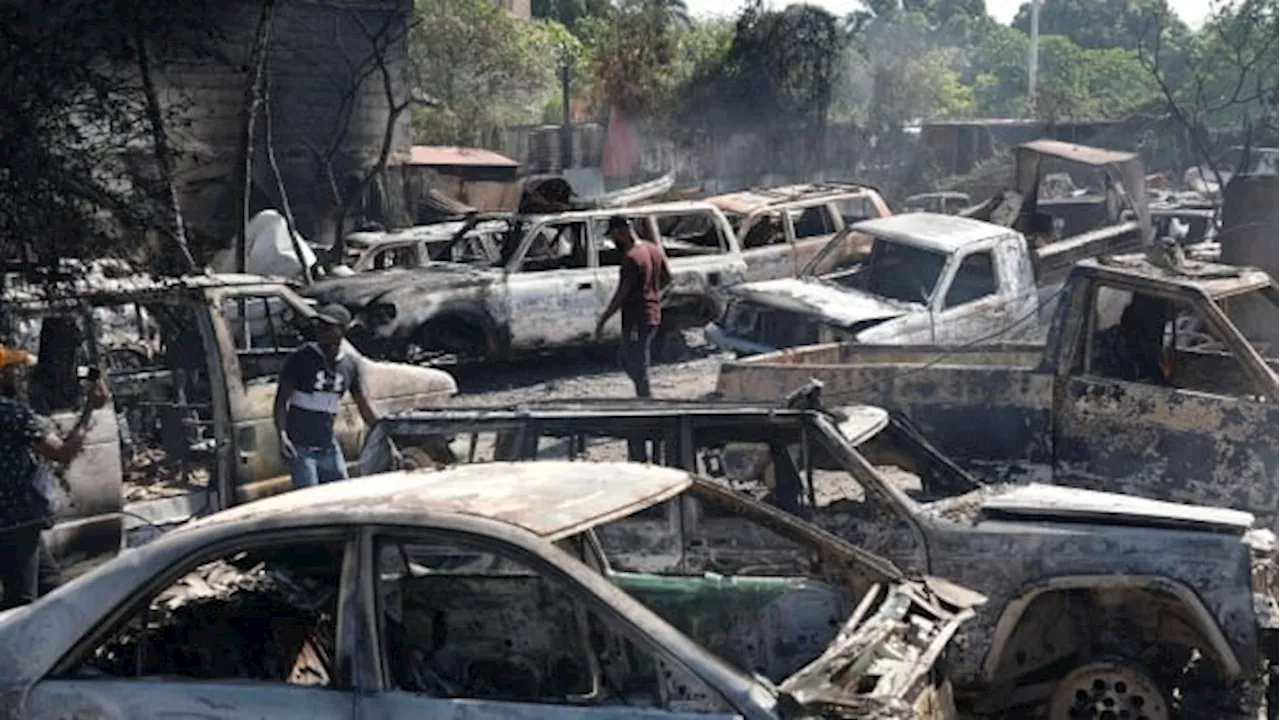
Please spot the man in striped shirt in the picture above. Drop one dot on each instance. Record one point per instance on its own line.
(311, 385)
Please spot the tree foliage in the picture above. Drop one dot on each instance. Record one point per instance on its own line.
(568, 12)
(77, 157)
(1100, 24)
(778, 76)
(481, 69)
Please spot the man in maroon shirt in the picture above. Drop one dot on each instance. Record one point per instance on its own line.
(642, 276)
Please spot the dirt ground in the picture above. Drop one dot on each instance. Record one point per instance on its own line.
(586, 374)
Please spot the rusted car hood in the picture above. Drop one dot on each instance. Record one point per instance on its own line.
(882, 659)
(832, 303)
(1053, 502)
(360, 290)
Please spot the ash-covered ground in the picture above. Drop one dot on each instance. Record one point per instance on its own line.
(587, 374)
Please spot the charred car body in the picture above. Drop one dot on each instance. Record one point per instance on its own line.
(1156, 380)
(546, 287)
(486, 591)
(191, 364)
(949, 280)
(929, 279)
(1094, 599)
(781, 228)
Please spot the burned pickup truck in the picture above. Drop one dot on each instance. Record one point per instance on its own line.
(548, 283)
(1157, 381)
(929, 278)
(486, 592)
(1096, 602)
(191, 363)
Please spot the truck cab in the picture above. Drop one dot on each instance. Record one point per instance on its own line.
(191, 364)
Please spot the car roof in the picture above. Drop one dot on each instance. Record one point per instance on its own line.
(746, 201)
(551, 499)
(932, 231)
(1213, 279)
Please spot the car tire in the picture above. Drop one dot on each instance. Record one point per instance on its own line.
(1106, 688)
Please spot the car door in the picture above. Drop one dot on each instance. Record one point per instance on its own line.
(551, 295)
(472, 627)
(224, 636)
(972, 304)
(809, 229)
(1143, 411)
(766, 246)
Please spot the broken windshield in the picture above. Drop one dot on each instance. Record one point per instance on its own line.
(895, 271)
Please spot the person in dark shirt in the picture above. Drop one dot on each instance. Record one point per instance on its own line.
(642, 276)
(311, 385)
(26, 565)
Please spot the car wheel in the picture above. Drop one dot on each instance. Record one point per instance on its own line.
(1108, 690)
(416, 458)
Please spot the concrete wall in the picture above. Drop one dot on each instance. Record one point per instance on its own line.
(315, 46)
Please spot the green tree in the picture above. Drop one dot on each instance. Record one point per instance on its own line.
(1101, 24)
(1229, 78)
(481, 69)
(568, 12)
(633, 49)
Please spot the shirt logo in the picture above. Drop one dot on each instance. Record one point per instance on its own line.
(326, 382)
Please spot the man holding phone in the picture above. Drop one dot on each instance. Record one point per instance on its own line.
(24, 510)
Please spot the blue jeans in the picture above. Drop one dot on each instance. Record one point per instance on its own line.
(313, 466)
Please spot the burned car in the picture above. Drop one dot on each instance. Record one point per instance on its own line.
(544, 289)
(1096, 600)
(481, 591)
(781, 228)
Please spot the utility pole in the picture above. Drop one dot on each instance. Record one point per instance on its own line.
(564, 70)
(1033, 54)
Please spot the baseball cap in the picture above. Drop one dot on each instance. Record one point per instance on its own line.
(16, 356)
(334, 314)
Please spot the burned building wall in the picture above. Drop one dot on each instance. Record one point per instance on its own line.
(327, 99)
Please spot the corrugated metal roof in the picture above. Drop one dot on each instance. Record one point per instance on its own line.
(459, 156)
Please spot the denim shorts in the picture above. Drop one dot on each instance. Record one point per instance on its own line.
(313, 466)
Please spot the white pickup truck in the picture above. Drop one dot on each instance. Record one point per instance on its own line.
(930, 279)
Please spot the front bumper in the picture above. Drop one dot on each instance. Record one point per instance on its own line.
(718, 337)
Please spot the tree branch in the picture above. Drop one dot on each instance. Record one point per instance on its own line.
(252, 102)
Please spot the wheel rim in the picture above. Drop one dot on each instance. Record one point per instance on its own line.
(1108, 691)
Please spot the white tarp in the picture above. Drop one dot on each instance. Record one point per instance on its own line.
(270, 251)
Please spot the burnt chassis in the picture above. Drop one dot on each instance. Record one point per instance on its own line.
(697, 436)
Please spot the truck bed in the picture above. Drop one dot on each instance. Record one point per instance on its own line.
(987, 401)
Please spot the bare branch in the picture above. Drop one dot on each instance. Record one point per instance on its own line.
(252, 102)
(290, 225)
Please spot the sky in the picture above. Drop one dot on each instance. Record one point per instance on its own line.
(1192, 12)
